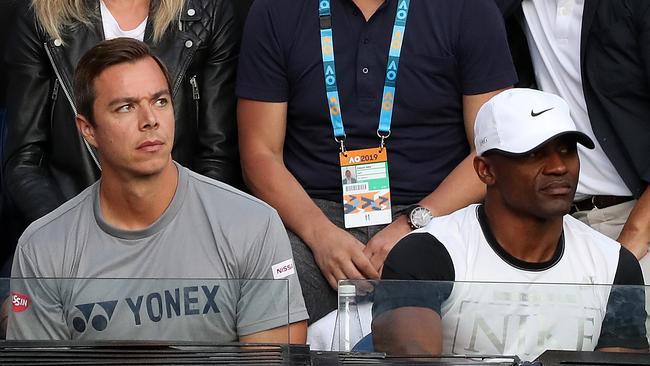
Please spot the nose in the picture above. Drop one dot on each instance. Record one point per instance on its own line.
(556, 163)
(148, 119)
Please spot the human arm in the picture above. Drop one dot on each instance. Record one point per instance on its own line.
(459, 189)
(406, 315)
(408, 331)
(264, 89)
(262, 128)
(27, 180)
(217, 154)
(485, 69)
(271, 308)
(635, 235)
(37, 309)
(462, 186)
(294, 333)
(623, 328)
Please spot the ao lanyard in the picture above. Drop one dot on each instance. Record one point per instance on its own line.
(388, 98)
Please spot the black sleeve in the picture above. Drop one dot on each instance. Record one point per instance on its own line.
(25, 170)
(624, 323)
(262, 71)
(216, 154)
(483, 55)
(417, 256)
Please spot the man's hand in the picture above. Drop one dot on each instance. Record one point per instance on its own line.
(339, 256)
(380, 245)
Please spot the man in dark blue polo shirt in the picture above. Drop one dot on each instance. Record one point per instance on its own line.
(320, 79)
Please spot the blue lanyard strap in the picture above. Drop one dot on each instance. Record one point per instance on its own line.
(327, 50)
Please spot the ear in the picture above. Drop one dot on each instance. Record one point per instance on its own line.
(484, 170)
(86, 129)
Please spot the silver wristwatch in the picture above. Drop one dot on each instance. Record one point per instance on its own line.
(417, 216)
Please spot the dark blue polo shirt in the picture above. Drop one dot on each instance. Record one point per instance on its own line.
(451, 48)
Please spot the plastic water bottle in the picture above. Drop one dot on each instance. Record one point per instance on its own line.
(347, 331)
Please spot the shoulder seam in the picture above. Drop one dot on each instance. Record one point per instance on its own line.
(44, 221)
(225, 187)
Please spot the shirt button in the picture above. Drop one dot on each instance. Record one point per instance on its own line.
(364, 70)
(189, 44)
(366, 40)
(191, 12)
(58, 42)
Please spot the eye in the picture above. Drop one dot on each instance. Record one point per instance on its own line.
(532, 155)
(161, 102)
(124, 108)
(567, 148)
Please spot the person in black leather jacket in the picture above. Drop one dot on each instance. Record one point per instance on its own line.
(46, 162)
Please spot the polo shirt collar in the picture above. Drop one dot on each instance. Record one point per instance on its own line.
(381, 7)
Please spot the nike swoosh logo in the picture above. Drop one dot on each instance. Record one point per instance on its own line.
(533, 114)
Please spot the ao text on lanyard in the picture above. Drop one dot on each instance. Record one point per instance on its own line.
(388, 98)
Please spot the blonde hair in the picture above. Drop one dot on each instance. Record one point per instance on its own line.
(54, 15)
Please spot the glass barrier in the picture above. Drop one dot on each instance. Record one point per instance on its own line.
(196, 310)
(480, 318)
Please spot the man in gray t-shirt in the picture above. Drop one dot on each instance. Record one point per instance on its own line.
(152, 251)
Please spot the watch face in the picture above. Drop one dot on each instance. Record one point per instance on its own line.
(420, 217)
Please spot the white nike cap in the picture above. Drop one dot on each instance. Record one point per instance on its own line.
(519, 120)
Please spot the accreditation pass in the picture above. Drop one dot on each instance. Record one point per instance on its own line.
(366, 190)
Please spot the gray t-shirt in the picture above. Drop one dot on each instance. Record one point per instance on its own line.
(95, 281)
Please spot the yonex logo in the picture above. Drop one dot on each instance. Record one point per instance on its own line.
(155, 306)
(100, 321)
(174, 303)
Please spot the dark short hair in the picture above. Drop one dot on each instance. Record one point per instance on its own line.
(102, 56)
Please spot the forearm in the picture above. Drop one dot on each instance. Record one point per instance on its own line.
(262, 129)
(635, 235)
(461, 188)
(268, 178)
(294, 333)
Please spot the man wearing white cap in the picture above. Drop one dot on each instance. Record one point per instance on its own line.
(596, 55)
(527, 157)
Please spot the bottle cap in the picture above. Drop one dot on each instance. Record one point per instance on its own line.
(347, 290)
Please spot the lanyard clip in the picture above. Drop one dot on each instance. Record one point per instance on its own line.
(382, 144)
(342, 147)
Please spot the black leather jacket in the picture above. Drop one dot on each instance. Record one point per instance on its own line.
(47, 162)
